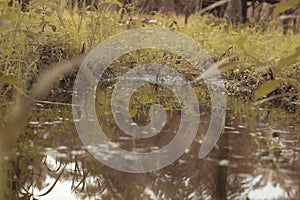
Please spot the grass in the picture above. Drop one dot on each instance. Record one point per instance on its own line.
(257, 61)
(50, 32)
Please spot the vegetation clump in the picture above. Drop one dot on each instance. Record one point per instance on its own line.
(258, 62)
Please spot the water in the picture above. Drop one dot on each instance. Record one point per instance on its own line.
(257, 157)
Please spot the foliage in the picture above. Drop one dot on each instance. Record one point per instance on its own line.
(285, 5)
(250, 58)
(257, 62)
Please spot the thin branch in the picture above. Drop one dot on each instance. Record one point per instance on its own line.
(214, 5)
(43, 102)
(273, 97)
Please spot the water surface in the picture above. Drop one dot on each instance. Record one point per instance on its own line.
(257, 157)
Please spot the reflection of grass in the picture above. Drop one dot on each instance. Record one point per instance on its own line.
(50, 148)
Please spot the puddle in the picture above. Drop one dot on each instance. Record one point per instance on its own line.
(257, 157)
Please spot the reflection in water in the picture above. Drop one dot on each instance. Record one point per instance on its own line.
(257, 157)
(268, 184)
(62, 188)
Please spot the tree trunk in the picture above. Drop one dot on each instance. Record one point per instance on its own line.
(244, 11)
(234, 11)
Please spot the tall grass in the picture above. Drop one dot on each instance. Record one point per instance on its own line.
(31, 42)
